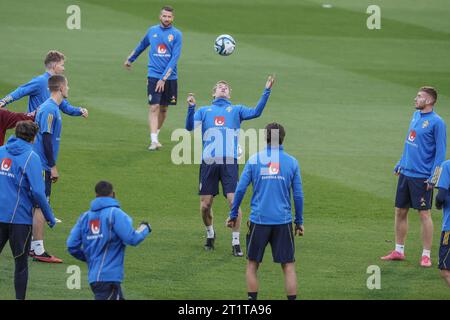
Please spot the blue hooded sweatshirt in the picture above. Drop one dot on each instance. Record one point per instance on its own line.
(100, 237)
(21, 184)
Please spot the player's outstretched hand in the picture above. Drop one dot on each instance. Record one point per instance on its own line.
(191, 100)
(230, 223)
(143, 225)
(270, 81)
(299, 229)
(2, 103)
(84, 112)
(127, 64)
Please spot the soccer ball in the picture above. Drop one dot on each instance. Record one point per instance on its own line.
(224, 44)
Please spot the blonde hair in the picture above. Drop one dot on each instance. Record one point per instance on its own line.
(217, 84)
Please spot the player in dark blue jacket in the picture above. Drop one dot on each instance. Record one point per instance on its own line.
(220, 124)
(443, 202)
(100, 237)
(165, 43)
(418, 169)
(37, 89)
(21, 186)
(273, 174)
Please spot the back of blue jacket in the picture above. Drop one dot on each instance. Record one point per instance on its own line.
(21, 184)
(100, 237)
(273, 173)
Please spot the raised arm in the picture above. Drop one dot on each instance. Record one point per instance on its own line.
(251, 113)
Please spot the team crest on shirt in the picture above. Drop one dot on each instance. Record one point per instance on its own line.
(155, 35)
(6, 164)
(94, 226)
(425, 124)
(412, 135)
(170, 37)
(162, 49)
(229, 108)
(219, 121)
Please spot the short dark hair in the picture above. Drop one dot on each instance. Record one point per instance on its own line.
(55, 82)
(52, 57)
(103, 189)
(167, 8)
(431, 91)
(26, 130)
(275, 130)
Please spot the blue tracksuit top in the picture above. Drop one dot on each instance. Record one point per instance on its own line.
(273, 173)
(37, 91)
(444, 182)
(100, 236)
(220, 123)
(49, 120)
(21, 184)
(165, 49)
(425, 147)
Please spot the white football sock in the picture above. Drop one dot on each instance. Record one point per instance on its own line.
(210, 231)
(400, 248)
(426, 253)
(154, 137)
(235, 238)
(38, 247)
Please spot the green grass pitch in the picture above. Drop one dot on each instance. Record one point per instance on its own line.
(344, 93)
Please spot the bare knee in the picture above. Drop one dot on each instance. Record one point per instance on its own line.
(445, 274)
(205, 206)
(154, 108)
(401, 212)
(425, 215)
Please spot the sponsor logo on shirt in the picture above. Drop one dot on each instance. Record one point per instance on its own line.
(219, 121)
(94, 226)
(412, 135)
(274, 168)
(162, 49)
(6, 164)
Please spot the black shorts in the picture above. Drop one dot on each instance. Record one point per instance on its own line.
(19, 236)
(211, 174)
(107, 290)
(413, 193)
(444, 251)
(166, 98)
(280, 237)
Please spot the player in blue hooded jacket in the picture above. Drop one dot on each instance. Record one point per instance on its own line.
(99, 237)
(273, 174)
(418, 171)
(21, 186)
